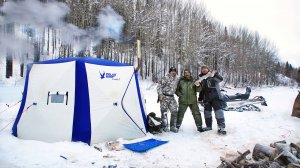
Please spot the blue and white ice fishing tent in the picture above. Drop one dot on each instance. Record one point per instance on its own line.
(80, 99)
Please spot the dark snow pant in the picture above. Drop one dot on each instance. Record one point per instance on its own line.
(237, 96)
(218, 106)
(195, 112)
(171, 104)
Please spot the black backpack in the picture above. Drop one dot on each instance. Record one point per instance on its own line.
(153, 123)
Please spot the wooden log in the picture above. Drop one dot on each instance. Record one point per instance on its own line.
(287, 156)
(222, 165)
(263, 152)
(278, 156)
(227, 162)
(260, 164)
(293, 165)
(273, 144)
(251, 165)
(241, 157)
(295, 146)
(268, 164)
(279, 159)
(236, 162)
(274, 165)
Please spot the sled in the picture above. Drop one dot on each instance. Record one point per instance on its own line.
(246, 105)
(144, 146)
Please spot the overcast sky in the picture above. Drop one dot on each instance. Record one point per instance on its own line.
(276, 20)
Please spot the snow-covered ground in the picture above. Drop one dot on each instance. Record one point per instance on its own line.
(188, 148)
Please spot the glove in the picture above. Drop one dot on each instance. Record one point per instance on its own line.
(161, 98)
(197, 83)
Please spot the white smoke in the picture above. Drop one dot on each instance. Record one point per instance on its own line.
(10, 43)
(110, 24)
(35, 13)
(38, 15)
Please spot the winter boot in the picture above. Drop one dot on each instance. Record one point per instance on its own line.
(221, 122)
(208, 122)
(200, 129)
(221, 126)
(174, 129)
(165, 129)
(222, 131)
(207, 128)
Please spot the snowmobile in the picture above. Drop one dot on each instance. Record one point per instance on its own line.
(241, 102)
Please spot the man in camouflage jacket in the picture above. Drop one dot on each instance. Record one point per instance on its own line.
(166, 90)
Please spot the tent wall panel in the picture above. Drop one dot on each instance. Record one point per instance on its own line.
(107, 86)
(42, 119)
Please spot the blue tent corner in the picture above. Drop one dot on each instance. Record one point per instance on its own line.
(145, 145)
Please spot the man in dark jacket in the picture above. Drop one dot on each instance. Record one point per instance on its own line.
(211, 98)
(187, 92)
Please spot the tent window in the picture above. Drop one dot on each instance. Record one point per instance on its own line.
(58, 98)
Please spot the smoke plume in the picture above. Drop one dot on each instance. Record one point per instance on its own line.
(35, 16)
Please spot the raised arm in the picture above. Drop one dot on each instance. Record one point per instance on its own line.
(217, 77)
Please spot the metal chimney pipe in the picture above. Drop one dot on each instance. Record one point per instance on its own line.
(139, 55)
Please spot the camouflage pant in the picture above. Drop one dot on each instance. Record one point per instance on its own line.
(171, 104)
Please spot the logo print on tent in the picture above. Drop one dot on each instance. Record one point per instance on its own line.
(102, 75)
(108, 75)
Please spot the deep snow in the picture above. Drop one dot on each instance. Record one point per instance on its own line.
(188, 148)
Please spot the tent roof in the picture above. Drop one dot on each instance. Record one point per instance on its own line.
(90, 60)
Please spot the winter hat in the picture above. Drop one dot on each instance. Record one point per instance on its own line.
(172, 69)
(204, 66)
(186, 70)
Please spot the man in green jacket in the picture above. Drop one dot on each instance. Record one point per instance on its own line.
(186, 91)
